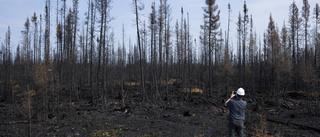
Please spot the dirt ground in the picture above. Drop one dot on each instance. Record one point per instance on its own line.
(198, 117)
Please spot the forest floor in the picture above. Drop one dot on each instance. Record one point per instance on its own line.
(292, 116)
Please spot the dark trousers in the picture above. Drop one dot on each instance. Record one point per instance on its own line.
(235, 125)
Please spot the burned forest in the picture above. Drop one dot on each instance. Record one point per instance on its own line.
(70, 74)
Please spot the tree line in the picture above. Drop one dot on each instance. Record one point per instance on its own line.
(84, 61)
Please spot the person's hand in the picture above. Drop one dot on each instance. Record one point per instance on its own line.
(232, 94)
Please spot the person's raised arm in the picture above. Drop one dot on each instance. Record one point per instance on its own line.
(232, 95)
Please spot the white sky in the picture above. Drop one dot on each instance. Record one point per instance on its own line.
(13, 13)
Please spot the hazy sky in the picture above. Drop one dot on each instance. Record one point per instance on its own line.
(13, 13)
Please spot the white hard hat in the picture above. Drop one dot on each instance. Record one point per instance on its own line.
(240, 92)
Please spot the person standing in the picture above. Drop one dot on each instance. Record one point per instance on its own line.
(237, 108)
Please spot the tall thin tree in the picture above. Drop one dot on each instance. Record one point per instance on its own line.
(47, 33)
(316, 13)
(244, 40)
(35, 36)
(212, 19)
(138, 8)
(305, 12)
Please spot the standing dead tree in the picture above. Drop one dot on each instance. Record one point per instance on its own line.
(212, 24)
(136, 9)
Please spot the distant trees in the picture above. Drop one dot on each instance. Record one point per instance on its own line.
(87, 64)
(273, 52)
(284, 67)
(294, 22)
(6, 67)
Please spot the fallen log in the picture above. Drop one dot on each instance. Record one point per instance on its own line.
(19, 122)
(292, 107)
(87, 109)
(305, 127)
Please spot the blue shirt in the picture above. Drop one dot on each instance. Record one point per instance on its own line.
(237, 108)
